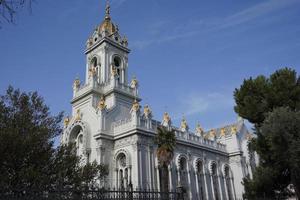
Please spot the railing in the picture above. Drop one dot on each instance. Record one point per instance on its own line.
(104, 87)
(101, 194)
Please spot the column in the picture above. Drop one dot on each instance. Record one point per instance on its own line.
(140, 169)
(170, 178)
(233, 190)
(212, 186)
(220, 188)
(205, 185)
(189, 180)
(197, 185)
(117, 178)
(149, 168)
(226, 189)
(178, 177)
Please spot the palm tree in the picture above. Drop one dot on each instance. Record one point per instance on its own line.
(165, 141)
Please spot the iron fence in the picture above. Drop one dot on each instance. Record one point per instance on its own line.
(102, 194)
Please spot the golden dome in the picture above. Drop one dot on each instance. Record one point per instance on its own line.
(108, 26)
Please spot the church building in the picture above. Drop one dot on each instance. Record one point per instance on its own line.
(110, 126)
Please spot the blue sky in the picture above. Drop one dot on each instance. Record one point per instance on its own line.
(189, 56)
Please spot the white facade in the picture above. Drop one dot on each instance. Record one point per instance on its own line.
(109, 126)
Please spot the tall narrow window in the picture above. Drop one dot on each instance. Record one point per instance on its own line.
(227, 182)
(215, 180)
(200, 179)
(117, 64)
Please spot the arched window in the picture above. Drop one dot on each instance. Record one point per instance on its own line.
(118, 63)
(199, 174)
(182, 171)
(227, 182)
(215, 180)
(123, 177)
(76, 137)
(94, 62)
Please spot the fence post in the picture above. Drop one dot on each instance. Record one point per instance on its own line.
(180, 193)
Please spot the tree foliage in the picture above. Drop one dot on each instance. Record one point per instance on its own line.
(9, 9)
(166, 142)
(28, 159)
(273, 105)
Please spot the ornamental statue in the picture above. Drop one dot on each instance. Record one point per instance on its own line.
(92, 71)
(113, 70)
(166, 118)
(184, 126)
(212, 133)
(78, 115)
(233, 129)
(101, 103)
(134, 83)
(135, 105)
(147, 111)
(66, 121)
(222, 132)
(199, 129)
(76, 83)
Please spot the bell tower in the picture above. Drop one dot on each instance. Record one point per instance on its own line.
(107, 53)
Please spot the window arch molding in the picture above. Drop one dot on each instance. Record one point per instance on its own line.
(196, 165)
(78, 128)
(127, 155)
(120, 58)
(226, 170)
(92, 59)
(211, 166)
(179, 160)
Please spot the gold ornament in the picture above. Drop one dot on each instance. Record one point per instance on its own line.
(76, 83)
(233, 129)
(199, 129)
(113, 70)
(147, 110)
(184, 124)
(135, 105)
(78, 115)
(92, 71)
(222, 132)
(134, 82)
(101, 103)
(212, 133)
(166, 117)
(66, 121)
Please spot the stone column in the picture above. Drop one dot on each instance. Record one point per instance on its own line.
(189, 180)
(225, 187)
(205, 185)
(178, 177)
(212, 186)
(170, 178)
(233, 190)
(117, 178)
(149, 168)
(197, 185)
(220, 188)
(141, 169)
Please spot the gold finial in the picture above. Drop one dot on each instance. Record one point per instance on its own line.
(212, 133)
(101, 103)
(78, 115)
(184, 124)
(134, 82)
(222, 132)
(66, 121)
(233, 129)
(135, 105)
(147, 110)
(107, 10)
(199, 129)
(166, 117)
(76, 83)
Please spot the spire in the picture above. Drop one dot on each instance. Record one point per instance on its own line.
(107, 10)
